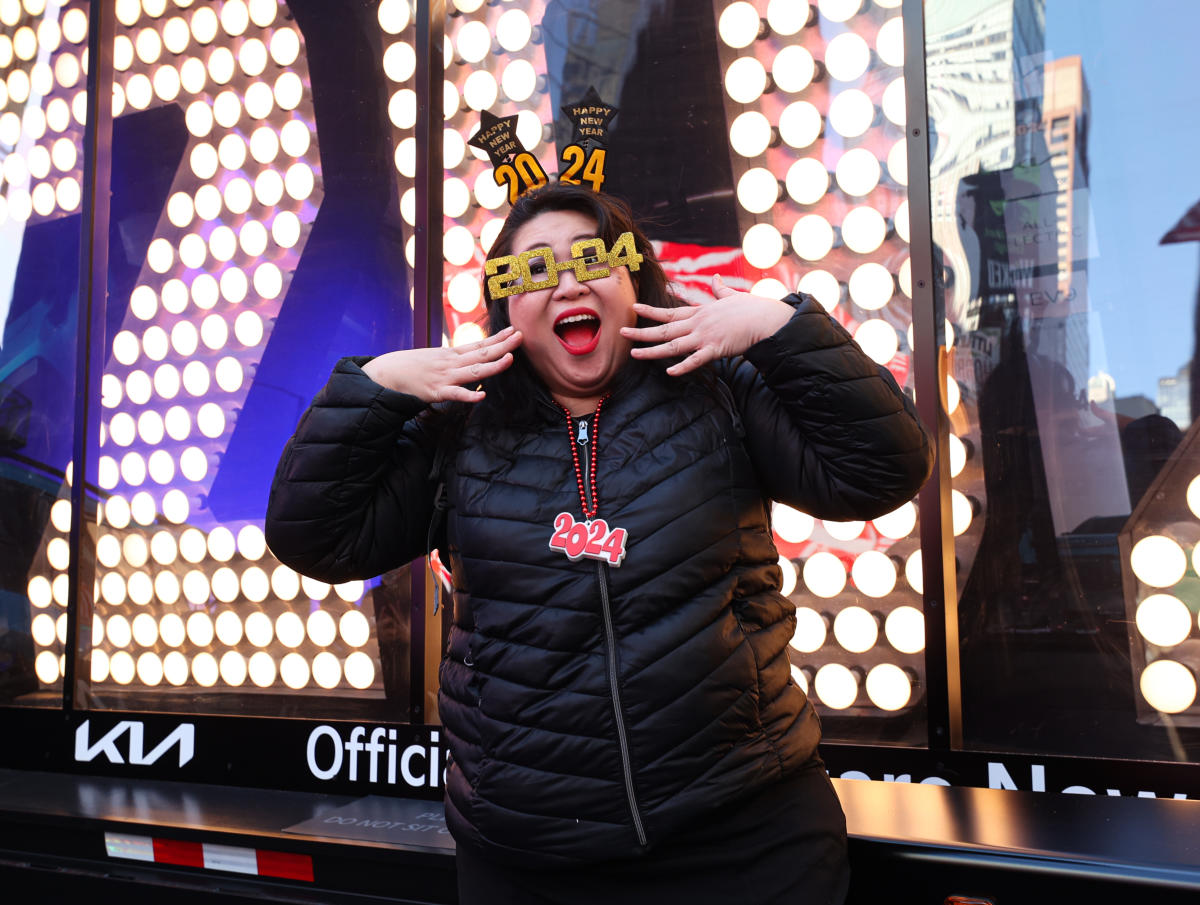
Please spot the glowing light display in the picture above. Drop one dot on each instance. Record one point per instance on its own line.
(173, 582)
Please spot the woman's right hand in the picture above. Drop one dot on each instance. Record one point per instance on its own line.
(435, 375)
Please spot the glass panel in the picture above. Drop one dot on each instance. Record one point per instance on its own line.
(42, 109)
(778, 161)
(1070, 283)
(256, 240)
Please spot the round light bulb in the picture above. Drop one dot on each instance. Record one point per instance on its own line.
(480, 89)
(858, 172)
(889, 42)
(855, 629)
(293, 670)
(739, 24)
(792, 525)
(836, 686)
(794, 69)
(259, 630)
(871, 286)
(1193, 496)
(514, 30)
(745, 80)
(1168, 686)
(847, 56)
(473, 41)
(807, 180)
(1164, 620)
(399, 62)
(790, 576)
(801, 124)
(394, 16)
(851, 113)
(874, 573)
(913, 572)
(262, 669)
(893, 102)
(810, 631)
(360, 670)
(863, 229)
(823, 286)
(838, 10)
(749, 134)
(762, 246)
(824, 574)
(1158, 561)
(812, 237)
(519, 81)
(905, 629)
(289, 629)
(888, 687)
(786, 17)
(321, 628)
(758, 190)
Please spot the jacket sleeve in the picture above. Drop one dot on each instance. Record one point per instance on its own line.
(829, 431)
(352, 495)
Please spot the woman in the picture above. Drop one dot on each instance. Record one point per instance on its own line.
(623, 722)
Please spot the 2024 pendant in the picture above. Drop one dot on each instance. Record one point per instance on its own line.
(588, 540)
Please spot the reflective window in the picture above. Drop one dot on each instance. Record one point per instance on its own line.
(43, 105)
(263, 217)
(1066, 216)
(778, 161)
(257, 173)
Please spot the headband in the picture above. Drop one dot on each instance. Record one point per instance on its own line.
(583, 160)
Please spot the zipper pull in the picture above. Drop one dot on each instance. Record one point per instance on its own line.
(583, 432)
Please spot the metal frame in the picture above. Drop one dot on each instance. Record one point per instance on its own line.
(91, 306)
(940, 594)
(427, 285)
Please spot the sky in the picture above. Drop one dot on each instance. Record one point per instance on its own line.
(1140, 63)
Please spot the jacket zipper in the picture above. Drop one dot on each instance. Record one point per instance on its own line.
(611, 659)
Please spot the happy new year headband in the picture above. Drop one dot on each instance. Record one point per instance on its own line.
(583, 159)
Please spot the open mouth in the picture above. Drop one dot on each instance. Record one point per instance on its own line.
(578, 330)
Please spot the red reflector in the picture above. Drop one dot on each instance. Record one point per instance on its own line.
(175, 851)
(286, 865)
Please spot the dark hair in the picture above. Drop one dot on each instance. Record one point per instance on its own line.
(511, 395)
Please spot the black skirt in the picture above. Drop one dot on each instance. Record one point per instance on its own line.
(786, 844)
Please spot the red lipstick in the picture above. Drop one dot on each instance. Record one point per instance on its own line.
(578, 329)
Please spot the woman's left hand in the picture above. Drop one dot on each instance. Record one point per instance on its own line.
(704, 331)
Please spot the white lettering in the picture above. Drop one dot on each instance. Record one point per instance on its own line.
(313, 737)
(183, 735)
(374, 748)
(413, 779)
(433, 771)
(418, 764)
(391, 773)
(353, 747)
(999, 777)
(108, 743)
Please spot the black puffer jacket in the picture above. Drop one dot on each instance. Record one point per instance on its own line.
(591, 711)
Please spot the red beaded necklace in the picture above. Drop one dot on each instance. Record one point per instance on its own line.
(589, 513)
(591, 538)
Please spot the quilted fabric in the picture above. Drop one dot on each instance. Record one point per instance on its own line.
(581, 731)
